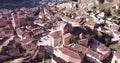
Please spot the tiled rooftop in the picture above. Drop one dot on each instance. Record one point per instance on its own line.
(57, 34)
(69, 52)
(102, 47)
(90, 52)
(117, 54)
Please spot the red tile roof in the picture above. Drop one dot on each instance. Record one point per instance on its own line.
(96, 55)
(3, 23)
(56, 34)
(79, 48)
(117, 54)
(69, 52)
(90, 52)
(102, 47)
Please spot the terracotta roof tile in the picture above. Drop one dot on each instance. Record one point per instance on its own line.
(96, 55)
(38, 21)
(38, 31)
(3, 23)
(90, 52)
(102, 47)
(83, 42)
(79, 48)
(69, 52)
(117, 53)
(56, 34)
(30, 45)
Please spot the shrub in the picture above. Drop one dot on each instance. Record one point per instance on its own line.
(115, 46)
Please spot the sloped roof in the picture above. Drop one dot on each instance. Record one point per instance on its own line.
(3, 23)
(69, 52)
(102, 47)
(90, 52)
(56, 34)
(117, 54)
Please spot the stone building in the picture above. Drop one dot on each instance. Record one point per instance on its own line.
(116, 57)
(91, 55)
(68, 55)
(67, 39)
